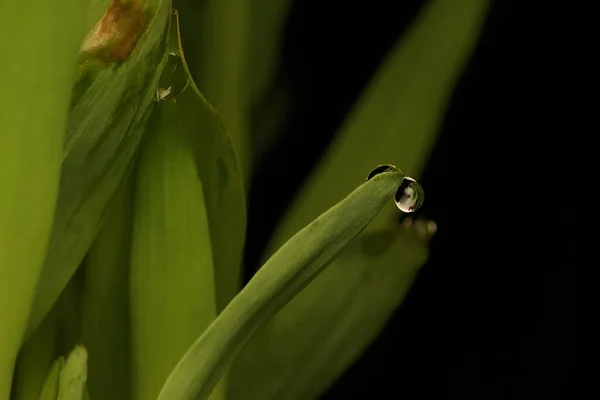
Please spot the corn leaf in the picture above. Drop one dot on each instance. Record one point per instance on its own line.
(37, 70)
(116, 84)
(289, 270)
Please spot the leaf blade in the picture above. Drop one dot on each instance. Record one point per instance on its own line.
(172, 278)
(73, 375)
(219, 172)
(32, 124)
(312, 340)
(50, 389)
(110, 107)
(398, 116)
(284, 275)
(105, 330)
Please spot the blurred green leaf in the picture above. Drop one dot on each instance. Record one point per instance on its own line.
(73, 375)
(312, 340)
(263, 41)
(105, 331)
(96, 9)
(221, 182)
(232, 47)
(269, 118)
(50, 389)
(110, 105)
(299, 261)
(36, 73)
(69, 312)
(172, 278)
(397, 119)
(35, 360)
(214, 34)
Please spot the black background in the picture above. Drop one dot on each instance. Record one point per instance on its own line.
(492, 314)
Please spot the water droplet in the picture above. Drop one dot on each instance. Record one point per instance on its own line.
(410, 195)
(383, 168)
(173, 80)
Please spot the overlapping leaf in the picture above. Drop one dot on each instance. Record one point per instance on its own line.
(396, 121)
(296, 263)
(116, 85)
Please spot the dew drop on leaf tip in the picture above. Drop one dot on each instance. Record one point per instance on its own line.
(409, 196)
(173, 80)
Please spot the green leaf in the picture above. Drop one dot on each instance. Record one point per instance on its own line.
(112, 99)
(35, 360)
(50, 389)
(215, 33)
(69, 312)
(307, 345)
(172, 278)
(221, 182)
(105, 303)
(289, 270)
(36, 72)
(73, 375)
(266, 20)
(397, 119)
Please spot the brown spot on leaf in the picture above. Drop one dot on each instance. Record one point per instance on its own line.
(114, 37)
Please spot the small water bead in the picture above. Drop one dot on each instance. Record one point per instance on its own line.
(409, 196)
(173, 80)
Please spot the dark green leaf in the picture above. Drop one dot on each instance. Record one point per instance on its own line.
(325, 327)
(222, 185)
(299, 261)
(112, 100)
(105, 327)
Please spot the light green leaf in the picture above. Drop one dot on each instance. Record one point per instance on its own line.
(111, 102)
(172, 278)
(105, 304)
(50, 389)
(96, 10)
(307, 345)
(36, 75)
(289, 270)
(73, 375)
(222, 186)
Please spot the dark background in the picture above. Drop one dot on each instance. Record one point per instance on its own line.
(492, 314)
